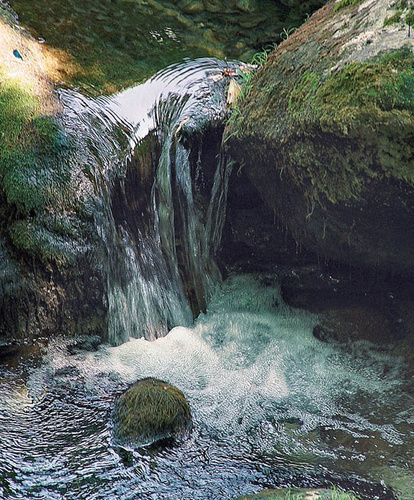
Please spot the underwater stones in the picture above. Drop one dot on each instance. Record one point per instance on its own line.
(150, 411)
(246, 5)
(213, 6)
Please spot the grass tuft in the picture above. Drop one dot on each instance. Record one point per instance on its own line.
(246, 80)
(346, 3)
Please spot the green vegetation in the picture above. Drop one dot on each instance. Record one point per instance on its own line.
(149, 411)
(45, 243)
(394, 19)
(246, 79)
(399, 4)
(362, 101)
(346, 3)
(31, 181)
(26, 136)
(404, 14)
(409, 18)
(286, 32)
(301, 494)
(302, 94)
(372, 88)
(335, 494)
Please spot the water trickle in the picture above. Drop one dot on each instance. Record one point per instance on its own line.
(157, 252)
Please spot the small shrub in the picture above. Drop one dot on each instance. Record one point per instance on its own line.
(409, 18)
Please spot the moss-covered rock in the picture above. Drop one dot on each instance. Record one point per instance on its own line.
(47, 283)
(326, 136)
(150, 411)
(300, 494)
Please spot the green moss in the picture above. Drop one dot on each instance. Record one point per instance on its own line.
(363, 103)
(149, 411)
(17, 108)
(303, 95)
(332, 495)
(33, 181)
(49, 241)
(25, 135)
(28, 181)
(394, 19)
(369, 90)
(300, 494)
(346, 3)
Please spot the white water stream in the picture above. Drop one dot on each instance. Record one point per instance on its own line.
(271, 405)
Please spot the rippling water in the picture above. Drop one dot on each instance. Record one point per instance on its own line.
(271, 404)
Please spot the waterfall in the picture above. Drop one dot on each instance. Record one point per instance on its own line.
(159, 218)
(145, 300)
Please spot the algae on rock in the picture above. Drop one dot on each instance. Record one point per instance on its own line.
(149, 411)
(328, 136)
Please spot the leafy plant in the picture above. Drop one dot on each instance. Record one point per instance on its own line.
(286, 32)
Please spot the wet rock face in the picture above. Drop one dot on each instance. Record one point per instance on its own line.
(151, 411)
(253, 239)
(40, 301)
(327, 136)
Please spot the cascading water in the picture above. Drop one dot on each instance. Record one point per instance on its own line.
(154, 263)
(272, 405)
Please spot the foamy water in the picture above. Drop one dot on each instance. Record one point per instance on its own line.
(271, 405)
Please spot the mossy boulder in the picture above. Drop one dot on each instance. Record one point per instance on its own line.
(151, 411)
(299, 494)
(47, 283)
(326, 136)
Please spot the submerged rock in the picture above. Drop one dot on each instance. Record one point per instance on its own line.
(151, 411)
(326, 136)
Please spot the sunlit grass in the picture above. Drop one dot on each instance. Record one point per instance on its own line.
(346, 3)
